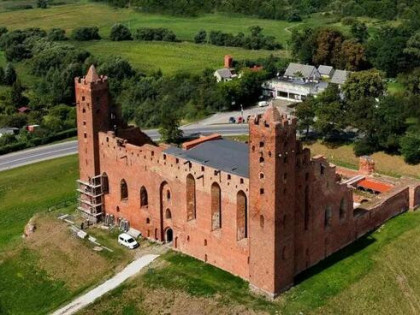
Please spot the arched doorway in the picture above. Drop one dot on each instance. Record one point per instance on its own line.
(169, 235)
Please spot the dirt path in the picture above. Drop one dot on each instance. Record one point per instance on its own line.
(107, 286)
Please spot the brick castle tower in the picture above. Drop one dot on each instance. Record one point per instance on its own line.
(93, 115)
(272, 202)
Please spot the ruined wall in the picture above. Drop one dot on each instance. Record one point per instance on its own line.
(165, 178)
(324, 211)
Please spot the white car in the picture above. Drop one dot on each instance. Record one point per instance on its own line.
(127, 241)
(262, 103)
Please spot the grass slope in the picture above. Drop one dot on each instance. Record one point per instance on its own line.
(43, 271)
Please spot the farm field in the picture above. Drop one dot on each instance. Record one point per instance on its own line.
(151, 56)
(103, 16)
(171, 57)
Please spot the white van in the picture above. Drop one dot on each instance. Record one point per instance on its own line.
(262, 103)
(127, 241)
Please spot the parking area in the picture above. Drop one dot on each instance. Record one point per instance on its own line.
(225, 117)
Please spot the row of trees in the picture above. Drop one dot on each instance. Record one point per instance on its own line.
(256, 40)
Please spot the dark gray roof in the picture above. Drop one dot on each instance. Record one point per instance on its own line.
(340, 76)
(307, 71)
(225, 73)
(225, 155)
(325, 70)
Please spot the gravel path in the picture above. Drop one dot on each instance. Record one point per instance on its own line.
(107, 286)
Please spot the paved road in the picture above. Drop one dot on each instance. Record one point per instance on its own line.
(107, 286)
(48, 152)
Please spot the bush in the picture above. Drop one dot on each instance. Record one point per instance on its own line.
(120, 32)
(294, 17)
(86, 33)
(43, 4)
(348, 20)
(157, 34)
(57, 34)
(410, 148)
(3, 30)
(201, 37)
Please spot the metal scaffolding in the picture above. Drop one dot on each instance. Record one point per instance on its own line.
(90, 197)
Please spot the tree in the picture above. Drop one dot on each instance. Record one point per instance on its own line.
(410, 148)
(352, 56)
(302, 45)
(364, 84)
(201, 37)
(120, 32)
(16, 94)
(413, 45)
(169, 127)
(305, 113)
(327, 47)
(386, 51)
(10, 75)
(359, 31)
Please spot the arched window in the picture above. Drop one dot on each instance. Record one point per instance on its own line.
(123, 190)
(216, 206)
(105, 183)
(343, 208)
(191, 201)
(144, 202)
(168, 214)
(241, 215)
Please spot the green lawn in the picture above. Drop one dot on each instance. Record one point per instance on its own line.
(377, 274)
(29, 189)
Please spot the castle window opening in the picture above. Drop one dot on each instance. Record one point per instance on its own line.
(205, 242)
(191, 198)
(241, 215)
(168, 194)
(216, 206)
(105, 183)
(261, 159)
(147, 221)
(168, 214)
(261, 144)
(144, 200)
(123, 190)
(322, 169)
(261, 191)
(261, 221)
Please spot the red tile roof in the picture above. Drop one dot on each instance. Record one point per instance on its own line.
(375, 186)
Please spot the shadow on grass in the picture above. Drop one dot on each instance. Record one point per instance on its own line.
(347, 251)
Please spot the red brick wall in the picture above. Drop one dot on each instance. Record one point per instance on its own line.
(148, 166)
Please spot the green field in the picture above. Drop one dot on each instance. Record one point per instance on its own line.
(46, 269)
(378, 274)
(171, 57)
